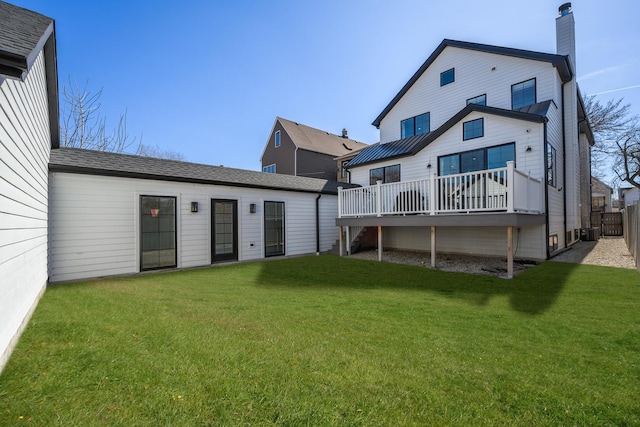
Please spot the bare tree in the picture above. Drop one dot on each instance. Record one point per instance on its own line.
(155, 151)
(617, 134)
(82, 126)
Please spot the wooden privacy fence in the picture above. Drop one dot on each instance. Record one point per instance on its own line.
(632, 231)
(609, 223)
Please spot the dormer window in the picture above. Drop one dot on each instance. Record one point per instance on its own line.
(447, 77)
(523, 94)
(415, 125)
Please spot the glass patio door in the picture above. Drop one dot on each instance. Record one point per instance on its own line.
(224, 230)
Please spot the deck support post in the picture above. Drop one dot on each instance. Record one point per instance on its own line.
(348, 240)
(509, 252)
(433, 246)
(341, 242)
(379, 243)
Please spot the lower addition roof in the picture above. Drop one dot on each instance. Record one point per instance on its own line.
(80, 161)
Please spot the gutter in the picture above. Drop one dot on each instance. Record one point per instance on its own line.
(564, 169)
(546, 189)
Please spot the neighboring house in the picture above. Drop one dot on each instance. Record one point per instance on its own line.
(28, 131)
(485, 147)
(341, 163)
(627, 196)
(122, 214)
(601, 195)
(296, 149)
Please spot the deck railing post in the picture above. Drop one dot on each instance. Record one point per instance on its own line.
(510, 186)
(379, 197)
(340, 193)
(433, 197)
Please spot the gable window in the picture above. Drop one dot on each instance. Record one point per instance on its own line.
(523, 94)
(269, 169)
(385, 174)
(480, 100)
(475, 160)
(447, 77)
(473, 129)
(277, 139)
(415, 125)
(158, 232)
(551, 166)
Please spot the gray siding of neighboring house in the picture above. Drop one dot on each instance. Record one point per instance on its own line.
(284, 155)
(316, 165)
(25, 142)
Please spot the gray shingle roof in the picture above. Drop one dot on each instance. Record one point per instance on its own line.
(23, 34)
(74, 160)
(317, 140)
(412, 145)
(561, 63)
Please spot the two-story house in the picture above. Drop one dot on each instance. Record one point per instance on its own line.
(485, 150)
(296, 149)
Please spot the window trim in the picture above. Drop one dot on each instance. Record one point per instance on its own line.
(444, 73)
(464, 131)
(486, 158)
(175, 231)
(264, 168)
(535, 92)
(552, 166)
(476, 97)
(384, 174)
(284, 228)
(403, 136)
(277, 139)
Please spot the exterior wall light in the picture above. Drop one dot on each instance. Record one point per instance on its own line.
(252, 208)
(194, 206)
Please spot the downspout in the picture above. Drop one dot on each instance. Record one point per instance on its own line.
(318, 223)
(546, 188)
(295, 162)
(564, 168)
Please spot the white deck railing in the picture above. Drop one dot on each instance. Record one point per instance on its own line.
(495, 190)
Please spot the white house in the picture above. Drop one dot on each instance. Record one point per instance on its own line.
(485, 147)
(28, 131)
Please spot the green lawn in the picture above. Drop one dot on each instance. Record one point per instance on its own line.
(332, 341)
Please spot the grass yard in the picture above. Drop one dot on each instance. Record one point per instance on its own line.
(332, 341)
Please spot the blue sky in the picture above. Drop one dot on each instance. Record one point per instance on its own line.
(207, 78)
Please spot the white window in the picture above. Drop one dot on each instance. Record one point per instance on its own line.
(269, 169)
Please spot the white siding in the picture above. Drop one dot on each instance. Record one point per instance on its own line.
(497, 130)
(95, 220)
(476, 73)
(24, 154)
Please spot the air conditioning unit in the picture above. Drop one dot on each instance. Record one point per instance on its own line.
(589, 234)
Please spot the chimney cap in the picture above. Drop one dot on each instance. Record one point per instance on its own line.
(344, 133)
(564, 9)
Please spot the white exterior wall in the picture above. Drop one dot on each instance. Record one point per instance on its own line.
(556, 194)
(497, 130)
(474, 75)
(25, 144)
(94, 225)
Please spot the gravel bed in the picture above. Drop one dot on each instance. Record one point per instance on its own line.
(609, 251)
